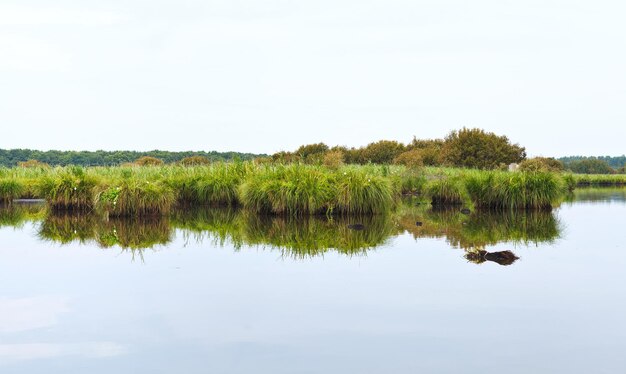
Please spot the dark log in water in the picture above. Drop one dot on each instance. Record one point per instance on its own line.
(503, 257)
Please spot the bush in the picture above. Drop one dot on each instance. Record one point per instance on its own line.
(333, 159)
(148, 161)
(32, 164)
(195, 161)
(382, 152)
(475, 148)
(541, 164)
(411, 159)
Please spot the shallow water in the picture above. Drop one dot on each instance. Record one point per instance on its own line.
(226, 292)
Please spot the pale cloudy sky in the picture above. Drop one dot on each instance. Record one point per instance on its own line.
(263, 76)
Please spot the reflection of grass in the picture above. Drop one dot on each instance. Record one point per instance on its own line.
(604, 194)
(126, 233)
(15, 215)
(481, 228)
(296, 236)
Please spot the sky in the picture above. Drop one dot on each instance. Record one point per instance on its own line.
(264, 76)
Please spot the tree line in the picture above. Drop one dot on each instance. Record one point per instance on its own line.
(595, 165)
(12, 157)
(467, 148)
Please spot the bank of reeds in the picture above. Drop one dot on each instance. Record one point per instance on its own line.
(281, 189)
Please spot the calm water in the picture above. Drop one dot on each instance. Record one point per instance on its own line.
(225, 292)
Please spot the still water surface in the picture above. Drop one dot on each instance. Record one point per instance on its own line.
(225, 292)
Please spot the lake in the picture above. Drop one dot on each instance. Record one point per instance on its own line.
(223, 291)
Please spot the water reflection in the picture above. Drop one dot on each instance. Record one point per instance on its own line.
(296, 237)
(597, 195)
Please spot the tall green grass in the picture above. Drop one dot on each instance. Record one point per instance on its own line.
(68, 189)
(278, 189)
(511, 191)
(11, 189)
(303, 190)
(448, 191)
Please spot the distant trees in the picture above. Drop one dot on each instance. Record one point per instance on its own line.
(11, 157)
(614, 162)
(591, 166)
(475, 148)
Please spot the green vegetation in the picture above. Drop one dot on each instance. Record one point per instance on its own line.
(510, 191)
(466, 148)
(291, 189)
(475, 148)
(539, 164)
(616, 163)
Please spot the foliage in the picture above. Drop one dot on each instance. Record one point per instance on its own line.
(510, 191)
(616, 162)
(475, 148)
(541, 164)
(148, 161)
(411, 159)
(382, 152)
(195, 161)
(333, 159)
(11, 157)
(590, 166)
(32, 164)
(312, 153)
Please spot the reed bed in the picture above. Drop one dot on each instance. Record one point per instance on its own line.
(293, 189)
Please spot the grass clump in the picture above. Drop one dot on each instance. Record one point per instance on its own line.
(510, 191)
(288, 189)
(216, 185)
(11, 189)
(360, 192)
(134, 197)
(448, 192)
(68, 189)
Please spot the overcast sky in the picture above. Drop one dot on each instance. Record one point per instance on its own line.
(263, 76)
